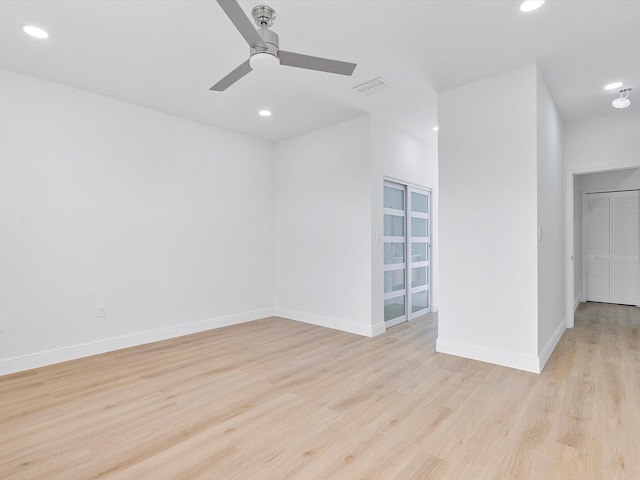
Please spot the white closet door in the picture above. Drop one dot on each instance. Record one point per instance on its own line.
(419, 261)
(626, 247)
(598, 254)
(395, 258)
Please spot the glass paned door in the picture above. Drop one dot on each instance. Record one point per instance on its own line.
(395, 245)
(407, 245)
(419, 237)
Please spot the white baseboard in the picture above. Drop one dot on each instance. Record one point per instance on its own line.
(434, 307)
(551, 344)
(329, 322)
(378, 329)
(41, 359)
(577, 301)
(529, 364)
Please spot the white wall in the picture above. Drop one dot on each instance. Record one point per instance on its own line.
(323, 227)
(488, 220)
(400, 156)
(166, 221)
(551, 244)
(328, 210)
(603, 143)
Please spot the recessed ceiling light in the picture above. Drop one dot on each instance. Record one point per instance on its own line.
(36, 32)
(264, 113)
(613, 86)
(531, 5)
(436, 128)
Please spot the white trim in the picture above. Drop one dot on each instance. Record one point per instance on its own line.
(435, 307)
(569, 254)
(50, 357)
(329, 322)
(576, 302)
(389, 179)
(546, 352)
(529, 364)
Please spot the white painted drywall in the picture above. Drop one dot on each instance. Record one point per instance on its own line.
(400, 156)
(488, 220)
(167, 222)
(603, 143)
(551, 242)
(323, 227)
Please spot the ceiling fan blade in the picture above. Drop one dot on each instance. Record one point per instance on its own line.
(234, 11)
(315, 63)
(232, 78)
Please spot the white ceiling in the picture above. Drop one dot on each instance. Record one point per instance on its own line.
(165, 55)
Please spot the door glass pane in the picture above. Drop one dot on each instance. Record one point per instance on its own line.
(393, 226)
(393, 308)
(393, 198)
(418, 276)
(393, 253)
(419, 227)
(393, 281)
(419, 301)
(419, 252)
(419, 203)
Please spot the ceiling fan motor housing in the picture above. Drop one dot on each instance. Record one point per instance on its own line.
(271, 41)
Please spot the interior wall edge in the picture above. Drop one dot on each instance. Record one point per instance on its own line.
(546, 352)
(65, 354)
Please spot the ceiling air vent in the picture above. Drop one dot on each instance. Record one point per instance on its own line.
(373, 86)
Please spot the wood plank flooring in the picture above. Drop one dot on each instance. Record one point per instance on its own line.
(277, 399)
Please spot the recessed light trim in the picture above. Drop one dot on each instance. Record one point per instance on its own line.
(35, 32)
(531, 5)
(436, 128)
(264, 113)
(613, 86)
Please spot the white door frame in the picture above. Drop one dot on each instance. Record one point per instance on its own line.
(570, 299)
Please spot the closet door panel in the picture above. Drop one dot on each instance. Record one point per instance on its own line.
(626, 247)
(598, 251)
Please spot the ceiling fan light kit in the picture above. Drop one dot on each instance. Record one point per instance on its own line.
(264, 51)
(264, 62)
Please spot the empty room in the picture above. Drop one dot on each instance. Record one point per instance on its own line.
(319, 239)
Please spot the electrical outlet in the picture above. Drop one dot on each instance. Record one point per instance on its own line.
(102, 310)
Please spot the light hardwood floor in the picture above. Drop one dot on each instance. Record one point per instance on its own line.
(279, 399)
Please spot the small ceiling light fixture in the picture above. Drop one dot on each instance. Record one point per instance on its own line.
(623, 100)
(613, 86)
(264, 62)
(34, 31)
(530, 5)
(436, 128)
(264, 113)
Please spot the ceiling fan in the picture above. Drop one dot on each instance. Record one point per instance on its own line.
(265, 53)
